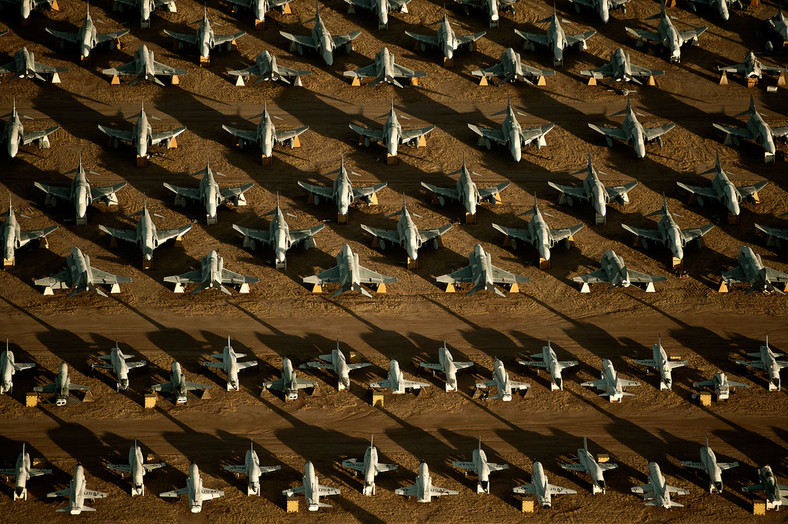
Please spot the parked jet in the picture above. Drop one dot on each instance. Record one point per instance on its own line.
(211, 275)
(120, 366)
(555, 38)
(260, 7)
(482, 274)
(230, 365)
(539, 486)
(500, 380)
(657, 491)
(88, 37)
(776, 494)
(146, 7)
(632, 131)
(621, 69)
(722, 7)
(369, 467)
(722, 386)
(209, 194)
(350, 274)
(266, 67)
(396, 381)
(548, 360)
(289, 383)
(178, 385)
(252, 469)
(615, 271)
(511, 134)
(14, 134)
(81, 276)
(312, 489)
(26, 6)
(610, 382)
(77, 492)
(423, 489)
(586, 463)
(342, 192)
(445, 39)
(62, 387)
(392, 134)
(481, 467)
(381, 8)
(752, 271)
(662, 364)
(491, 8)
(769, 363)
(667, 35)
(384, 69)
(780, 26)
(142, 136)
(136, 468)
(205, 39)
(321, 40)
(512, 68)
(757, 130)
(447, 366)
(266, 135)
(22, 472)
(708, 463)
(336, 362)
(13, 237)
(751, 67)
(8, 368)
(601, 7)
(25, 66)
(194, 490)
(145, 67)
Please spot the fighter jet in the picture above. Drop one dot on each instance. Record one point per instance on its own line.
(289, 383)
(14, 238)
(312, 489)
(512, 68)
(384, 69)
(776, 494)
(266, 135)
(751, 67)
(350, 274)
(586, 463)
(77, 492)
(369, 467)
(205, 39)
(381, 8)
(230, 365)
(601, 7)
(342, 192)
(252, 469)
(136, 468)
(481, 467)
(722, 386)
(26, 6)
(8, 368)
(266, 67)
(211, 275)
(632, 131)
(538, 233)
(667, 34)
(88, 37)
(539, 486)
(445, 39)
(466, 192)
(662, 364)
(209, 194)
(14, 133)
(511, 134)
(708, 463)
(482, 274)
(555, 38)
(548, 360)
(178, 385)
(336, 362)
(779, 25)
(22, 472)
(615, 271)
(146, 7)
(423, 489)
(491, 8)
(321, 40)
(447, 366)
(752, 271)
(142, 136)
(144, 67)
(769, 363)
(501, 382)
(610, 382)
(621, 69)
(197, 494)
(392, 134)
(81, 276)
(62, 387)
(657, 491)
(120, 366)
(774, 235)
(722, 7)
(260, 7)
(396, 381)
(757, 130)
(25, 66)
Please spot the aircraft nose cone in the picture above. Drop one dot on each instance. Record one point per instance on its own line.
(328, 57)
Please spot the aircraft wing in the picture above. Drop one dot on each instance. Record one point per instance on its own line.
(165, 387)
(737, 68)
(501, 276)
(771, 231)
(353, 464)
(365, 72)
(651, 234)
(382, 468)
(596, 277)
(565, 232)
(535, 363)
(286, 71)
(166, 234)
(66, 492)
(412, 134)
(274, 384)
(46, 388)
(731, 383)
(572, 191)
(488, 192)
(382, 384)
(99, 193)
(574, 467)
(390, 235)
(102, 277)
(641, 278)
(299, 235)
(190, 39)
(43, 68)
(645, 362)
(235, 192)
(646, 35)
(429, 234)
(689, 34)
(599, 72)
(408, 491)
(413, 384)
(748, 191)
(187, 192)
(637, 70)
(735, 275)
(34, 472)
(375, 134)
(21, 366)
(427, 39)
(63, 35)
(372, 277)
(431, 365)
(696, 232)
(463, 465)
(467, 39)
(519, 385)
(302, 383)
(32, 234)
(780, 131)
(628, 383)
(106, 37)
(190, 386)
(90, 494)
(496, 70)
(526, 489)
(675, 490)
(461, 275)
(613, 132)
(63, 193)
(442, 191)
(532, 37)
(287, 134)
(691, 464)
(329, 275)
(408, 73)
(322, 191)
(362, 192)
(159, 136)
(230, 277)
(360, 365)
(497, 467)
(558, 490)
(302, 40)
(163, 69)
(656, 132)
(645, 488)
(728, 465)
(129, 235)
(125, 135)
(326, 491)
(37, 135)
(742, 132)
(705, 192)
(248, 136)
(439, 492)
(490, 134)
(772, 275)
(53, 280)
(341, 40)
(236, 469)
(528, 135)
(579, 37)
(223, 39)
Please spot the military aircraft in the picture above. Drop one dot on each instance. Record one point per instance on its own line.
(81, 276)
(396, 381)
(708, 463)
(77, 492)
(230, 365)
(205, 39)
(776, 494)
(445, 39)
(266, 135)
(381, 8)
(611, 383)
(586, 463)
(384, 69)
(144, 67)
(548, 360)
(621, 69)
(500, 380)
(13, 237)
(312, 489)
(289, 383)
(539, 486)
(136, 468)
(657, 491)
(62, 387)
(87, 38)
(423, 489)
(260, 7)
(757, 130)
(512, 68)
(751, 67)
(336, 362)
(667, 35)
(252, 469)
(178, 385)
(14, 134)
(26, 6)
(211, 275)
(142, 136)
(8, 368)
(22, 472)
(482, 274)
(615, 271)
(146, 7)
(266, 67)
(774, 235)
(481, 467)
(780, 26)
(120, 366)
(601, 7)
(511, 134)
(350, 274)
(555, 38)
(321, 40)
(662, 364)
(342, 192)
(491, 8)
(722, 386)
(194, 490)
(538, 233)
(722, 7)
(392, 134)
(632, 131)
(209, 194)
(769, 363)
(25, 66)
(447, 365)
(369, 467)
(752, 271)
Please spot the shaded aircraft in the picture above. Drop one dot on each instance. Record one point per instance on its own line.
(384, 70)
(266, 67)
(722, 386)
(342, 192)
(657, 492)
(423, 489)
(632, 131)
(230, 365)
(667, 35)
(586, 463)
(211, 275)
(252, 469)
(512, 68)
(350, 274)
(511, 135)
(14, 134)
(336, 362)
(77, 492)
(381, 8)
(615, 271)
(260, 7)
(752, 271)
(540, 487)
(22, 472)
(555, 38)
(612, 385)
(776, 494)
(482, 274)
(392, 134)
(62, 387)
(120, 365)
(81, 276)
(136, 468)
(601, 7)
(548, 361)
(289, 383)
(205, 39)
(13, 237)
(481, 467)
(8, 368)
(178, 385)
(311, 489)
(266, 135)
(447, 365)
(708, 463)
(621, 69)
(767, 362)
(321, 40)
(369, 467)
(194, 490)
(145, 67)
(25, 66)
(141, 136)
(661, 364)
(87, 37)
(445, 39)
(145, 7)
(751, 67)
(491, 8)
(396, 381)
(500, 381)
(757, 130)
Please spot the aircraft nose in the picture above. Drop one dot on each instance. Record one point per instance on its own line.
(328, 57)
